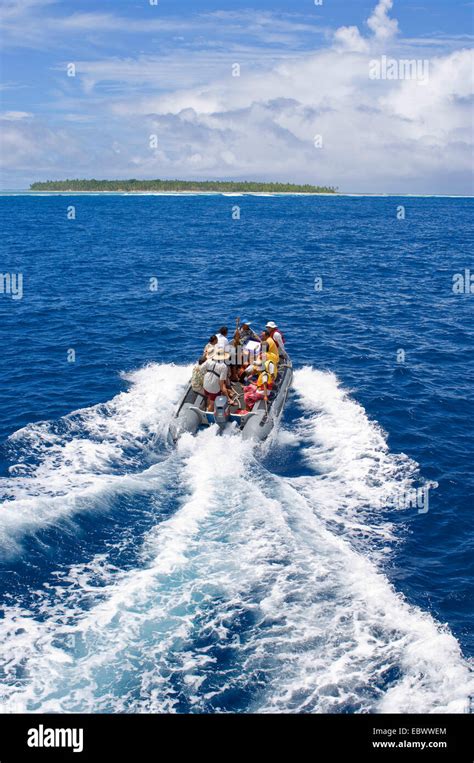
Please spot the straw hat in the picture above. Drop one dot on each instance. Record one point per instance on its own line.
(220, 354)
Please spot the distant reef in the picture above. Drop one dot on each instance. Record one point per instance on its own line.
(222, 186)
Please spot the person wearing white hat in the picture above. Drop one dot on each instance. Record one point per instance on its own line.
(216, 374)
(277, 338)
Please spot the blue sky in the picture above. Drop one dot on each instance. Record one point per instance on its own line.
(143, 70)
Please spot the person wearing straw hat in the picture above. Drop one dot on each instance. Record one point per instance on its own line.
(216, 375)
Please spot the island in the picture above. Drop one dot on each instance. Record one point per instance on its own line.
(189, 186)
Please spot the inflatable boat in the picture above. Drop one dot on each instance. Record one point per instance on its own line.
(191, 414)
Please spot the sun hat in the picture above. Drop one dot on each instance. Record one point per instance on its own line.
(220, 354)
(246, 323)
(271, 325)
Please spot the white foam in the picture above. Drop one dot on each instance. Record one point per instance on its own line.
(358, 475)
(85, 461)
(129, 604)
(251, 586)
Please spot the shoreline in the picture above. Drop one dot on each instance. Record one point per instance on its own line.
(27, 192)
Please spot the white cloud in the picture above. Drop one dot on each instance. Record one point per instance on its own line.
(29, 24)
(14, 9)
(349, 38)
(383, 27)
(378, 135)
(444, 102)
(15, 116)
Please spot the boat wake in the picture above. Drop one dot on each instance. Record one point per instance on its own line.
(249, 591)
(81, 461)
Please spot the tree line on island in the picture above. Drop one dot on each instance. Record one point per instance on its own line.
(225, 186)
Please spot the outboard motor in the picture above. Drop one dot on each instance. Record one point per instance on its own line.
(222, 411)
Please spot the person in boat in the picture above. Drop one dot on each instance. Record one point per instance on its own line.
(244, 366)
(197, 378)
(222, 338)
(277, 337)
(247, 333)
(216, 377)
(270, 350)
(234, 350)
(260, 389)
(210, 347)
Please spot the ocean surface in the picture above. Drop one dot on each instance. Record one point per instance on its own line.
(219, 576)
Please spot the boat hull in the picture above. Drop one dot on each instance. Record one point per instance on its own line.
(191, 414)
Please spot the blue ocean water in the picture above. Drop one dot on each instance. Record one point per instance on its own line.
(217, 577)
